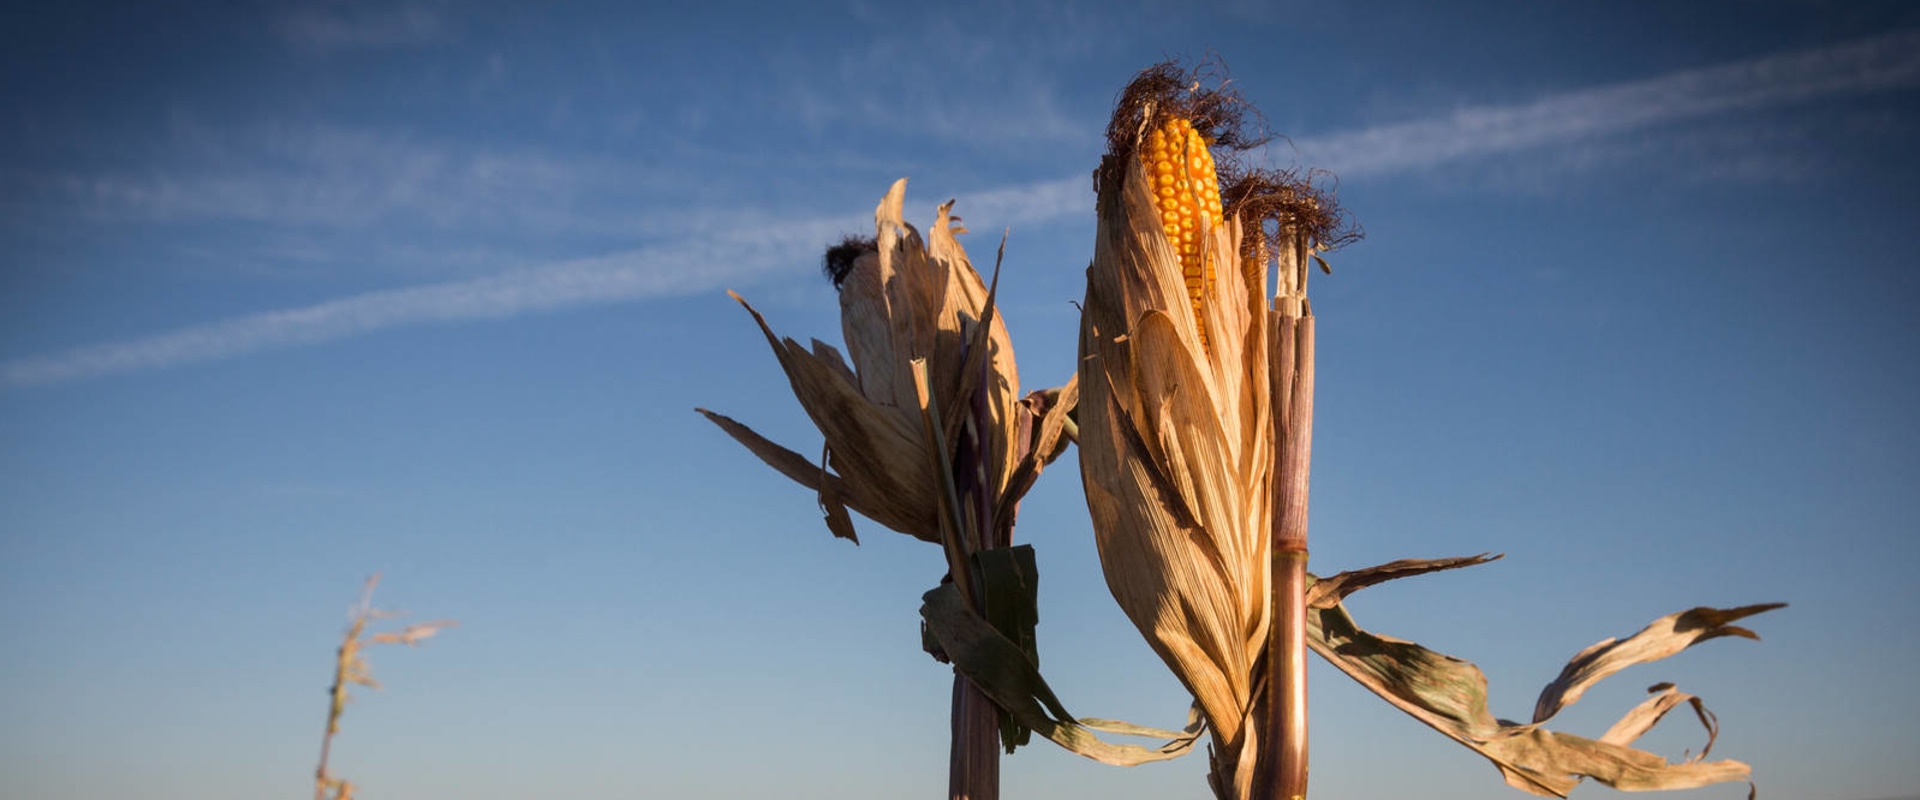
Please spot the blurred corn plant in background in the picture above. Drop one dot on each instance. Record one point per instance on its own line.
(1195, 431)
(350, 667)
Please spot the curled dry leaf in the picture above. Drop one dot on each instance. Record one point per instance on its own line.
(1663, 637)
(1328, 592)
(1450, 695)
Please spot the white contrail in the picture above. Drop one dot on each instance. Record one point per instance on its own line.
(631, 275)
(1876, 64)
(1866, 65)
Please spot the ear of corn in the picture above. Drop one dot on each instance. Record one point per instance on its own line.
(1186, 193)
(1176, 445)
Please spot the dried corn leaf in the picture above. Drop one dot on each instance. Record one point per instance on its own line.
(951, 323)
(1159, 568)
(1644, 716)
(1450, 695)
(412, 635)
(835, 495)
(1664, 637)
(871, 447)
(1328, 592)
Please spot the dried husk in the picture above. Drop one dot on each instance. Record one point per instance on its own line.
(1176, 452)
(911, 298)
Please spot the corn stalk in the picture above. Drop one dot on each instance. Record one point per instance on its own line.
(1283, 773)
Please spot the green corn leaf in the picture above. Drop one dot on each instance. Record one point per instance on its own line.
(1010, 580)
(1004, 671)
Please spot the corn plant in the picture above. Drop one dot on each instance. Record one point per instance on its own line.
(927, 434)
(1195, 436)
(926, 431)
(350, 667)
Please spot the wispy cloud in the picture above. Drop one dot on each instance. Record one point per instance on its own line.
(632, 275)
(325, 27)
(325, 176)
(713, 258)
(975, 80)
(1032, 203)
(1877, 64)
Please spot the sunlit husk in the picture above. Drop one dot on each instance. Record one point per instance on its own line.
(887, 303)
(913, 298)
(1176, 453)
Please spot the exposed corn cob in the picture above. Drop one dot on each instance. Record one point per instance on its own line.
(1186, 193)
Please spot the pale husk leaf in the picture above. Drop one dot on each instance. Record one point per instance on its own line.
(908, 299)
(948, 299)
(874, 449)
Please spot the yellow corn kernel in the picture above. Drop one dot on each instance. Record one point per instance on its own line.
(1187, 196)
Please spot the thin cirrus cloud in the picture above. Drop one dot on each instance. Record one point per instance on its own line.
(647, 272)
(1882, 63)
(1875, 64)
(327, 29)
(324, 177)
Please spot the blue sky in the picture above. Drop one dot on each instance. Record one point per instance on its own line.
(296, 292)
